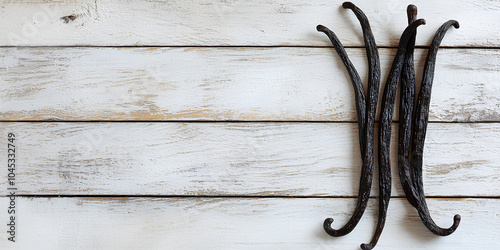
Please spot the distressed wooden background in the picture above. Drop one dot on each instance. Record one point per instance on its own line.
(208, 124)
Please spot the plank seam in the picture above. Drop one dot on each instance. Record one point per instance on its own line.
(238, 46)
(241, 196)
(224, 121)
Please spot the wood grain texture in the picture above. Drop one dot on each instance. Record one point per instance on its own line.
(235, 223)
(255, 23)
(242, 159)
(165, 180)
(248, 84)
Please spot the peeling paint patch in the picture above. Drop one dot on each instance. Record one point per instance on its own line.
(67, 19)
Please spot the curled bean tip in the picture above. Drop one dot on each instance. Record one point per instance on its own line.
(411, 12)
(328, 223)
(321, 28)
(456, 220)
(420, 21)
(411, 8)
(456, 24)
(366, 246)
(348, 5)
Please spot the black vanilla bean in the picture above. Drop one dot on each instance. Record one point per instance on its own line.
(413, 117)
(359, 94)
(366, 131)
(419, 131)
(407, 100)
(371, 109)
(388, 100)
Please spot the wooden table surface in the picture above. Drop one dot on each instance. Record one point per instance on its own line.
(208, 124)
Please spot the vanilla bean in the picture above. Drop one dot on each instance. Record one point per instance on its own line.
(413, 122)
(359, 95)
(388, 100)
(419, 131)
(366, 109)
(407, 100)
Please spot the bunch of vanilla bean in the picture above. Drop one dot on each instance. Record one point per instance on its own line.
(413, 121)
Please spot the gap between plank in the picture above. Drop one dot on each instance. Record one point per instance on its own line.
(235, 46)
(219, 121)
(241, 196)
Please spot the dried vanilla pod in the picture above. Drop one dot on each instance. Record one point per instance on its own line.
(388, 100)
(365, 108)
(419, 128)
(413, 122)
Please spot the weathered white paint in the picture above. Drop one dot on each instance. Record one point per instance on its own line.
(258, 159)
(240, 223)
(226, 159)
(258, 22)
(225, 84)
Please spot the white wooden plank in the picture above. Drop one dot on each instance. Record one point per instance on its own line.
(256, 159)
(224, 84)
(217, 223)
(259, 22)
